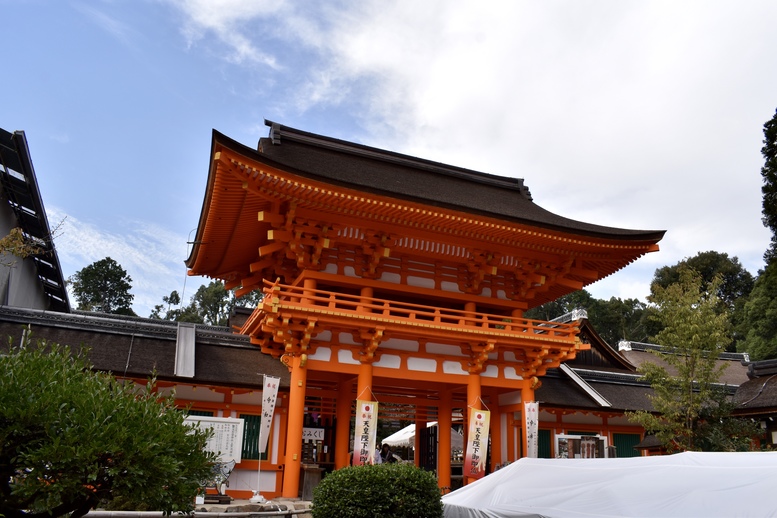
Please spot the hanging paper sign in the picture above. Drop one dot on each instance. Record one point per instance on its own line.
(366, 428)
(477, 443)
(531, 417)
(269, 395)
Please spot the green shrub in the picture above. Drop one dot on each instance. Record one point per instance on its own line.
(385, 490)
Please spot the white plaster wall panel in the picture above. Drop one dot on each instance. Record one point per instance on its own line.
(398, 344)
(422, 364)
(249, 398)
(512, 374)
(322, 353)
(450, 286)
(420, 282)
(390, 361)
(394, 278)
(451, 367)
(194, 393)
(491, 371)
(443, 349)
(347, 338)
(324, 336)
(345, 356)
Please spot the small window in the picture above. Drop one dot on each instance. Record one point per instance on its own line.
(253, 424)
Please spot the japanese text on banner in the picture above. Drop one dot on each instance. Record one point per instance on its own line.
(364, 435)
(269, 395)
(531, 420)
(477, 443)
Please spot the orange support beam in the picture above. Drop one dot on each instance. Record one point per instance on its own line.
(294, 432)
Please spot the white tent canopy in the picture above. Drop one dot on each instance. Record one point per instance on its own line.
(684, 485)
(405, 438)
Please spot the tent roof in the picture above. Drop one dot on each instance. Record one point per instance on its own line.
(406, 437)
(683, 485)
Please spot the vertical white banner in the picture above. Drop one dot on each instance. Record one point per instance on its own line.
(477, 443)
(269, 395)
(364, 434)
(531, 416)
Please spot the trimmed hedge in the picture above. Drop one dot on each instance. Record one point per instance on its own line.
(385, 490)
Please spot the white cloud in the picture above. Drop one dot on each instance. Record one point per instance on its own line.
(629, 114)
(152, 256)
(227, 20)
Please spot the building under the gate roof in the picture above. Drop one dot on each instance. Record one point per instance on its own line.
(399, 280)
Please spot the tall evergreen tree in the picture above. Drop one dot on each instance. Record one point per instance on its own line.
(760, 317)
(103, 286)
(769, 188)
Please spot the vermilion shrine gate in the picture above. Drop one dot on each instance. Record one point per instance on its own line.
(397, 279)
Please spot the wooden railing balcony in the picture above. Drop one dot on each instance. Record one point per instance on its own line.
(297, 303)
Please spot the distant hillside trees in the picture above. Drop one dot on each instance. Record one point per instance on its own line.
(631, 319)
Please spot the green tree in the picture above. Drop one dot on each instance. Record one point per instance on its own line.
(694, 333)
(769, 188)
(103, 286)
(613, 319)
(211, 304)
(734, 287)
(71, 438)
(760, 317)
(579, 299)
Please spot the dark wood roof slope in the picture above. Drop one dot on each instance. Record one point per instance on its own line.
(20, 187)
(413, 179)
(137, 347)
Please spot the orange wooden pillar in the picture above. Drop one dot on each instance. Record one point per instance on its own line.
(444, 422)
(343, 426)
(293, 464)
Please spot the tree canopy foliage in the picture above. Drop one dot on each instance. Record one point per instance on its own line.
(211, 304)
(71, 438)
(103, 286)
(760, 317)
(631, 319)
(691, 407)
(733, 288)
(613, 319)
(769, 188)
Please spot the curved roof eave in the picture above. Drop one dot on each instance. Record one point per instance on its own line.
(412, 179)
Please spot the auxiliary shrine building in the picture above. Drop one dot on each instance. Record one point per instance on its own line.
(404, 281)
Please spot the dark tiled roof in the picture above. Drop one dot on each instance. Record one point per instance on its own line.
(137, 347)
(735, 365)
(757, 393)
(623, 391)
(401, 176)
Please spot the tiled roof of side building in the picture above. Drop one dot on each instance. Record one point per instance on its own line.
(413, 179)
(735, 365)
(139, 347)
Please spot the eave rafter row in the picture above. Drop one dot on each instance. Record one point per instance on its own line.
(273, 184)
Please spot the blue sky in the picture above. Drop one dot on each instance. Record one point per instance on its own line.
(637, 114)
